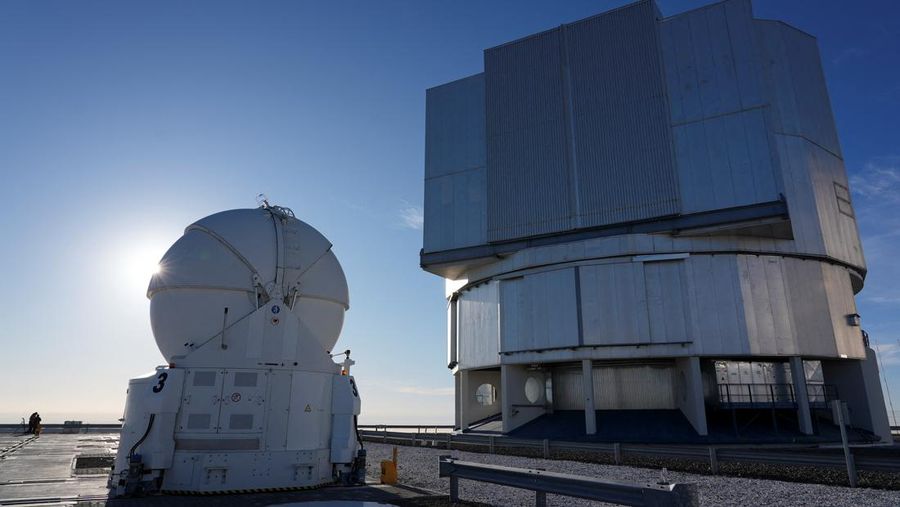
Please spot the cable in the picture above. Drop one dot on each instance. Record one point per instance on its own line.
(141, 441)
(358, 437)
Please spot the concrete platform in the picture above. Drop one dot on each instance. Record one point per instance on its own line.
(41, 471)
(670, 426)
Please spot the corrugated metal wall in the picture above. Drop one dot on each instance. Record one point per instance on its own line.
(539, 311)
(455, 166)
(479, 326)
(617, 387)
(527, 151)
(623, 147)
(577, 127)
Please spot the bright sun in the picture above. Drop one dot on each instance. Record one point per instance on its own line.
(137, 264)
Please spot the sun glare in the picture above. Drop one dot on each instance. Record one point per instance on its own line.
(137, 264)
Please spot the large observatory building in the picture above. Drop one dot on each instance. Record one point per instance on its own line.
(646, 215)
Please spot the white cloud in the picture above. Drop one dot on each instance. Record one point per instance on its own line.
(847, 54)
(884, 300)
(412, 217)
(888, 353)
(879, 179)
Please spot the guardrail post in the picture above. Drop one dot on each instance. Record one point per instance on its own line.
(617, 453)
(838, 409)
(540, 499)
(414, 435)
(713, 461)
(546, 448)
(449, 440)
(384, 436)
(491, 442)
(454, 489)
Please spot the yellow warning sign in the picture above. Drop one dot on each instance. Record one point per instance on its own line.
(308, 408)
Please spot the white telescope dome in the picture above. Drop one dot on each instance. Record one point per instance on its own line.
(229, 265)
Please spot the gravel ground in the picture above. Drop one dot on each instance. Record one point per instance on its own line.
(418, 467)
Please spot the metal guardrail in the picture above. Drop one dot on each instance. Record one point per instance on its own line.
(60, 428)
(713, 455)
(542, 483)
(434, 428)
(773, 395)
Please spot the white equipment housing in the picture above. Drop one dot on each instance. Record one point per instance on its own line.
(246, 308)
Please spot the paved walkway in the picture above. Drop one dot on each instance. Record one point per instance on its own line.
(42, 471)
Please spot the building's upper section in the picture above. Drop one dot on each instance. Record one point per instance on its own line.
(705, 124)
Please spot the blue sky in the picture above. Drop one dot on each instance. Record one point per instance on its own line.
(123, 122)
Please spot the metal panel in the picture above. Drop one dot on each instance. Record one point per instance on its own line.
(725, 162)
(455, 187)
(539, 311)
(478, 336)
(799, 193)
(839, 229)
(202, 402)
(623, 147)
(243, 406)
(711, 61)
(809, 305)
(455, 211)
(848, 339)
(614, 304)
(568, 388)
(617, 387)
(721, 138)
(278, 409)
(634, 387)
(667, 302)
(310, 410)
(769, 321)
(528, 174)
(454, 127)
(818, 224)
(796, 84)
(716, 309)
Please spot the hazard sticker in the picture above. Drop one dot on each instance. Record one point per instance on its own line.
(236, 397)
(308, 408)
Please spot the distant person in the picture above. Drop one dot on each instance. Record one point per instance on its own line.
(31, 423)
(36, 424)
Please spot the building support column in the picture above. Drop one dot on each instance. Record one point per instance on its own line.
(506, 398)
(801, 396)
(859, 385)
(690, 399)
(464, 399)
(457, 396)
(590, 414)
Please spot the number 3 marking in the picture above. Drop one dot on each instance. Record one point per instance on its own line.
(162, 382)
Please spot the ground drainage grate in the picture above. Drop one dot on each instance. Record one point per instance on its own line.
(93, 464)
